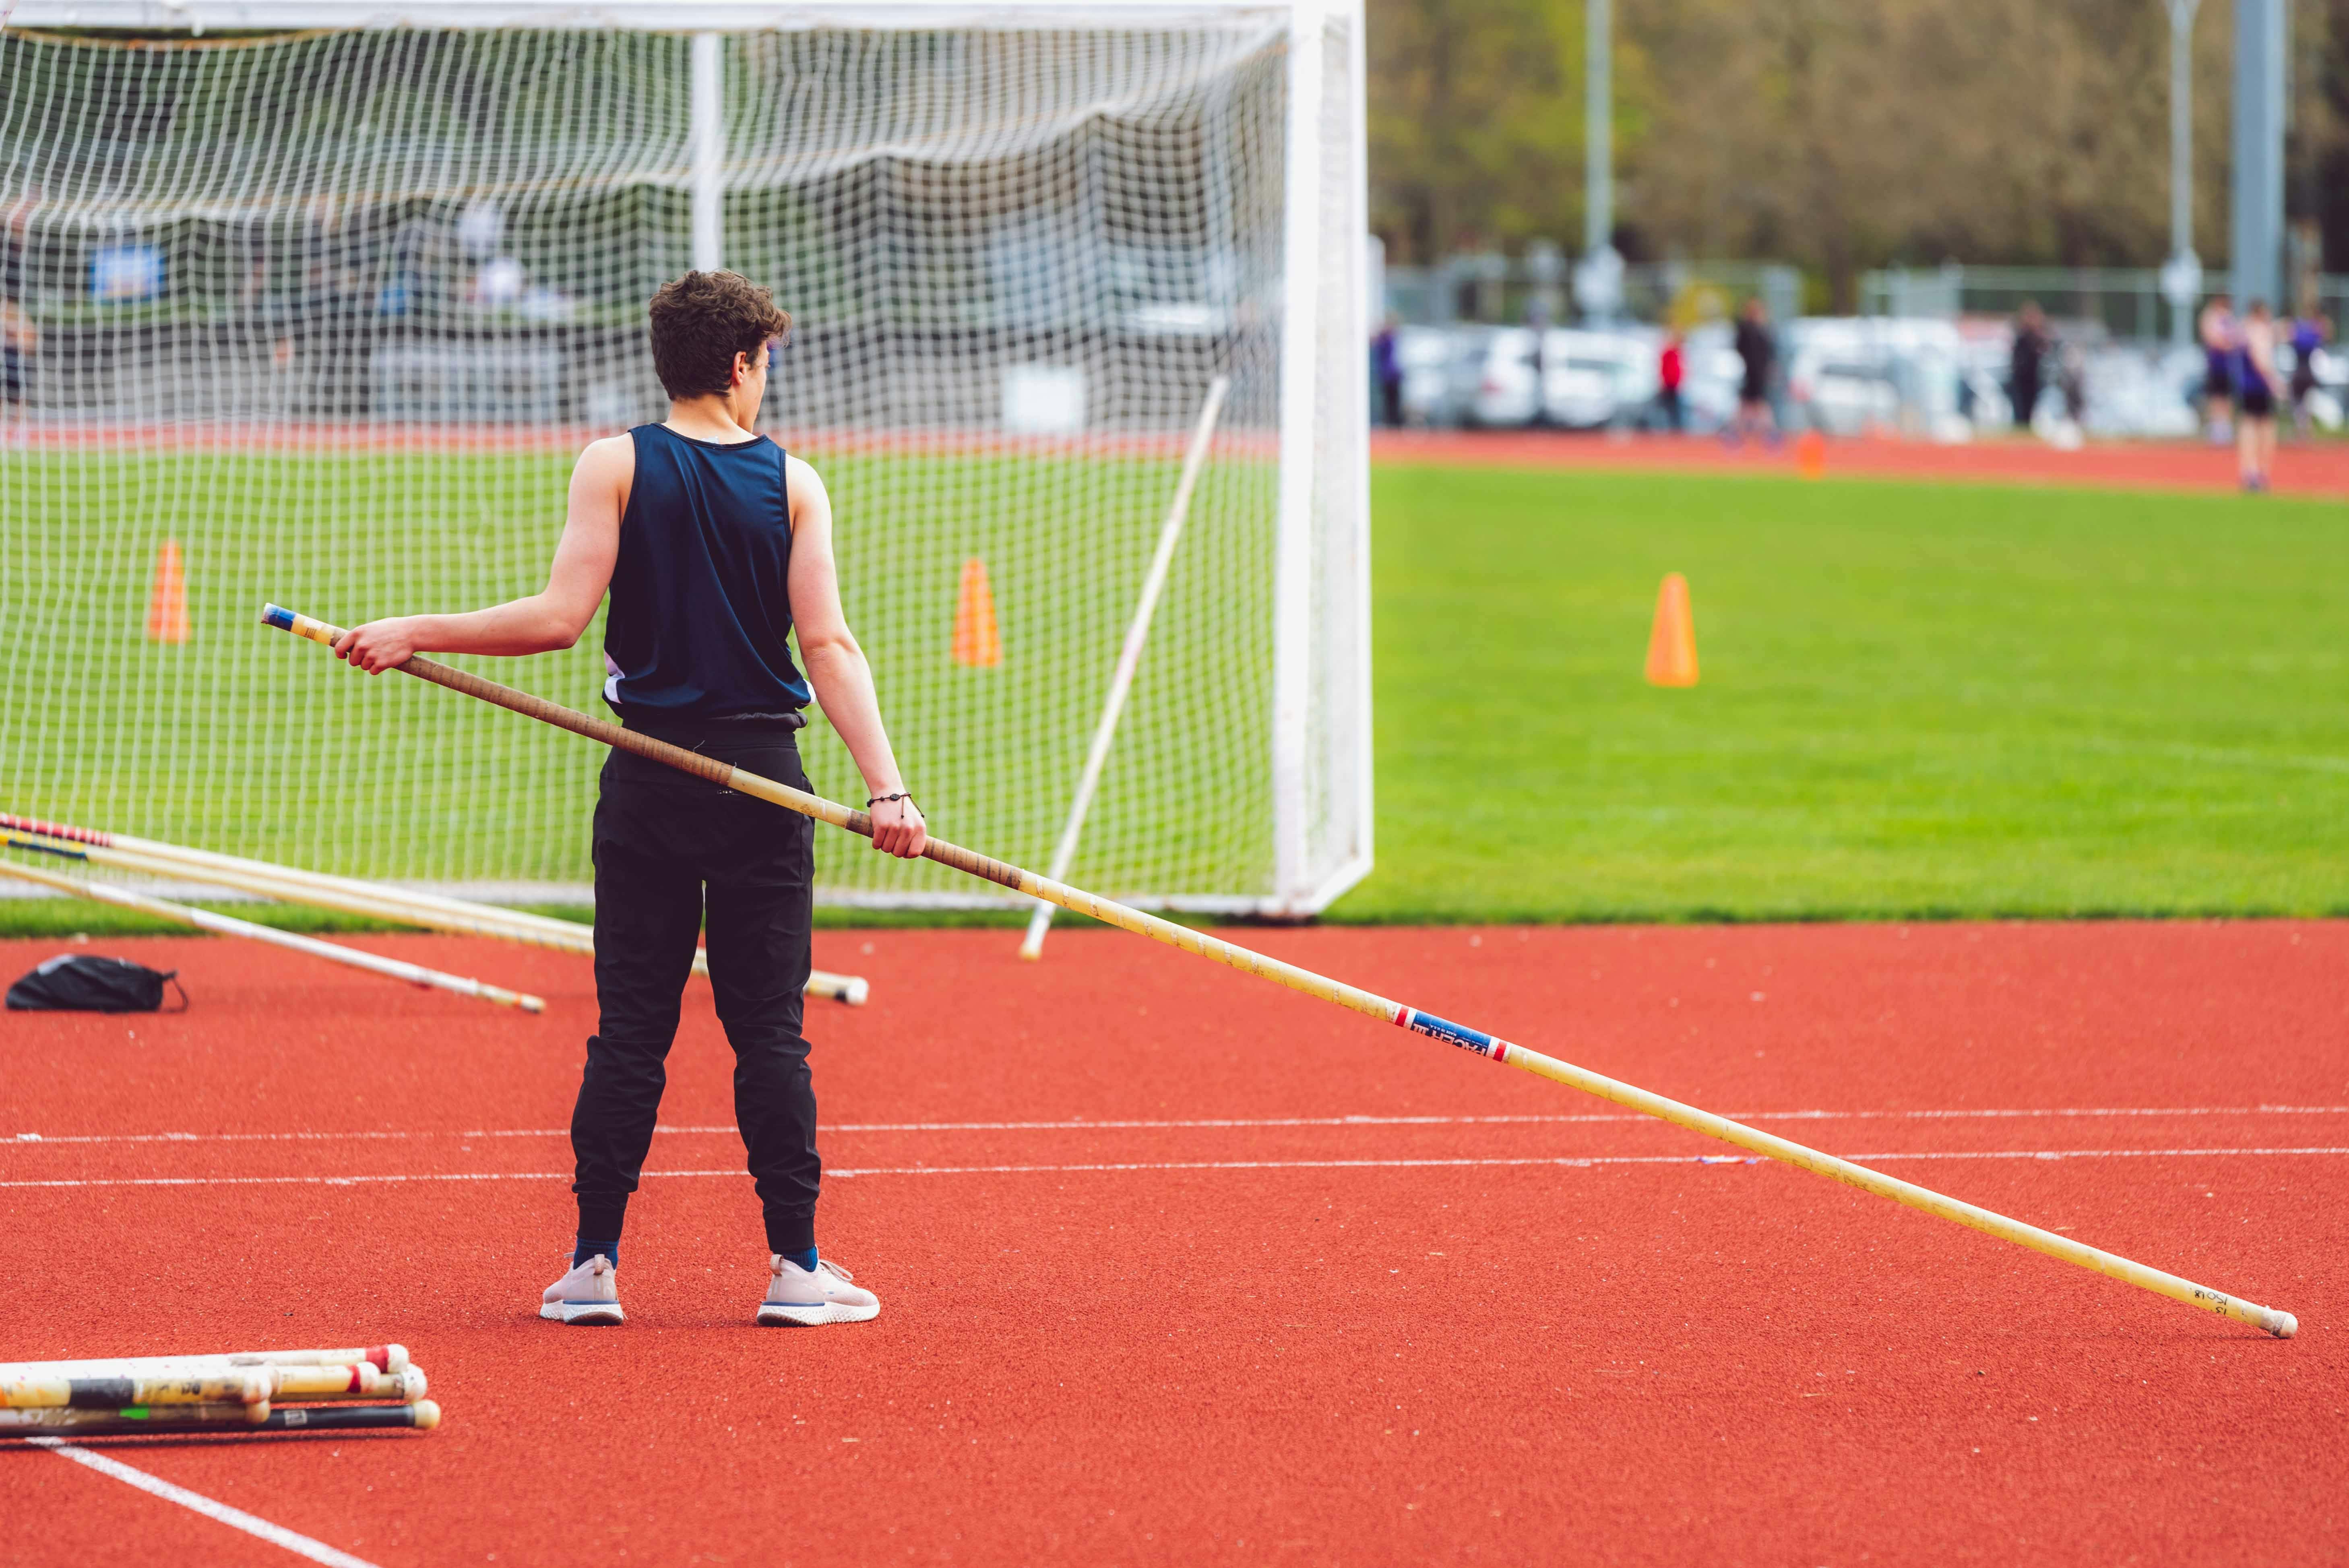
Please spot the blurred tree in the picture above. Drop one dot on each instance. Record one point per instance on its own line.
(2316, 167)
(1838, 134)
(1475, 121)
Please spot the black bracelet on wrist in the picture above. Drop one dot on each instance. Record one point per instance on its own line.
(878, 799)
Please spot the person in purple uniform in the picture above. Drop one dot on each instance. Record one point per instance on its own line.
(2310, 334)
(1386, 368)
(2258, 389)
(2220, 337)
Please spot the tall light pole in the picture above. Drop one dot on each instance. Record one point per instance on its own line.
(2256, 187)
(1599, 127)
(2181, 278)
(1598, 279)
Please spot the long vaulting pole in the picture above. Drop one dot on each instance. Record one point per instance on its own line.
(379, 900)
(2283, 1325)
(221, 924)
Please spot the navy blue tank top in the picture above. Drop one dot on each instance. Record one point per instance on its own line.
(701, 599)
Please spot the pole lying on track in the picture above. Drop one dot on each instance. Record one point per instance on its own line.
(211, 1380)
(206, 920)
(58, 1391)
(350, 895)
(2283, 1325)
(134, 1415)
(1128, 659)
(424, 1415)
(383, 1358)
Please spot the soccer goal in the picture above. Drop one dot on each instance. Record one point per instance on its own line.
(306, 308)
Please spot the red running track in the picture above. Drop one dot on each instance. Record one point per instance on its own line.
(1494, 1321)
(2320, 470)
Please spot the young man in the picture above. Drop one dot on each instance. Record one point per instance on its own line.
(714, 545)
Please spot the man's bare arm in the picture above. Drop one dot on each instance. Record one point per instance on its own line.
(836, 666)
(552, 618)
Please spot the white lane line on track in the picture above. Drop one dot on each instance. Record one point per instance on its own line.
(234, 1517)
(1573, 1161)
(1111, 1126)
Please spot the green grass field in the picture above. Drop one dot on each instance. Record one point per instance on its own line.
(1919, 700)
(247, 741)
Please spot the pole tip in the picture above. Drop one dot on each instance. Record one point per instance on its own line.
(427, 1415)
(855, 991)
(1032, 955)
(277, 615)
(2283, 1325)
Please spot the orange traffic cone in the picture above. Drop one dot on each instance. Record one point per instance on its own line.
(975, 640)
(1811, 453)
(166, 604)
(1672, 645)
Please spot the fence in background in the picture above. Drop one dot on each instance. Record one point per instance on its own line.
(1491, 289)
(2125, 303)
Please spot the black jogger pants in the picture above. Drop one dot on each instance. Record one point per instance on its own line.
(662, 837)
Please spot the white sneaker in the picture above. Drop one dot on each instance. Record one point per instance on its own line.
(590, 1292)
(796, 1296)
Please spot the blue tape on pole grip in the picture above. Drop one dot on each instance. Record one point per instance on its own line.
(58, 850)
(1451, 1034)
(277, 615)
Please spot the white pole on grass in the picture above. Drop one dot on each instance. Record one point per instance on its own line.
(1129, 658)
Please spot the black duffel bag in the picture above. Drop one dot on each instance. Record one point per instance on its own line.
(86, 982)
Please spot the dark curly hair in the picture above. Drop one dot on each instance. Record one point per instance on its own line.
(701, 320)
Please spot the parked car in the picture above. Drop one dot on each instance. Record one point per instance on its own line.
(1440, 366)
(1842, 390)
(1594, 378)
(1710, 373)
(1586, 378)
(1852, 375)
(2129, 391)
(1505, 385)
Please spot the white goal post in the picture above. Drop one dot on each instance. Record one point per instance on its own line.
(312, 301)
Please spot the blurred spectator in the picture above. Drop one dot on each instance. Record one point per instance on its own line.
(2026, 362)
(500, 284)
(329, 308)
(1387, 367)
(2256, 387)
(482, 229)
(1758, 348)
(2309, 332)
(2219, 338)
(2071, 380)
(1538, 320)
(18, 339)
(1671, 366)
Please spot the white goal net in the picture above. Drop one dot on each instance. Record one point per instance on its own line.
(322, 316)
